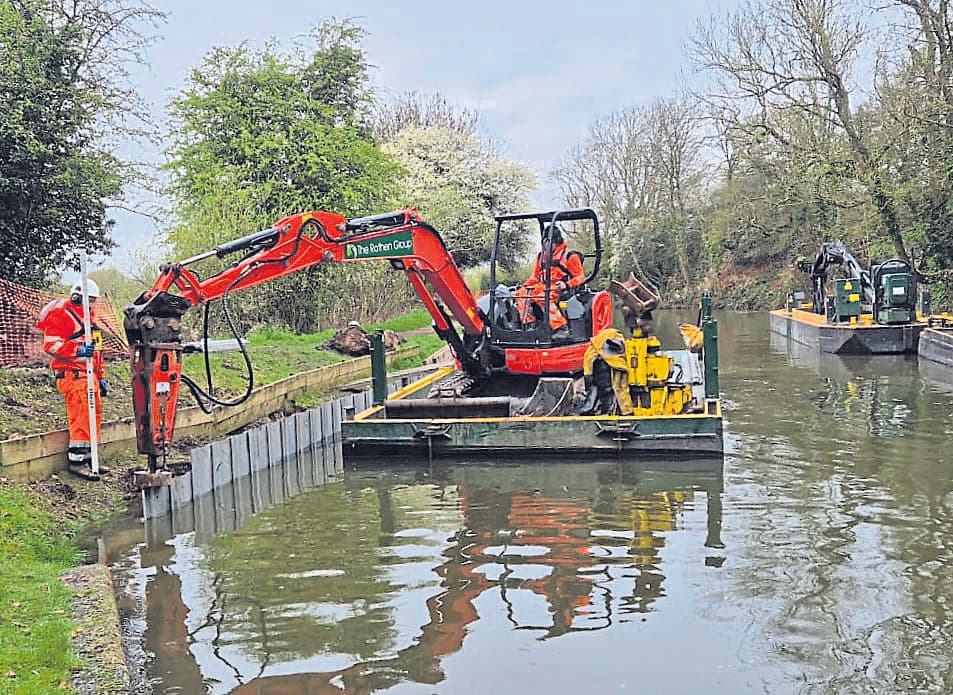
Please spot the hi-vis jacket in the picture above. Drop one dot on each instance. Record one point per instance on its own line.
(566, 266)
(62, 324)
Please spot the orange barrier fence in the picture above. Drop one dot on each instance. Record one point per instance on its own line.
(21, 344)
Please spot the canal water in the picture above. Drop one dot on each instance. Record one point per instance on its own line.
(815, 559)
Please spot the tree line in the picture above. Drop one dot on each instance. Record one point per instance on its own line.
(253, 136)
(806, 121)
(803, 121)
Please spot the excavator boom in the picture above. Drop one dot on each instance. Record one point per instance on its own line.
(153, 321)
(835, 253)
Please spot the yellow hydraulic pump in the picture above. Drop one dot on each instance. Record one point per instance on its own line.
(640, 373)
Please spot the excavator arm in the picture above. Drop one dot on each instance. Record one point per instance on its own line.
(835, 253)
(153, 321)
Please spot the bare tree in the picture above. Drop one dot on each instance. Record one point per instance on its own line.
(676, 146)
(416, 110)
(931, 48)
(784, 67)
(111, 37)
(640, 169)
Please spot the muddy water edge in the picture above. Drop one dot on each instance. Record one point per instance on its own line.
(816, 558)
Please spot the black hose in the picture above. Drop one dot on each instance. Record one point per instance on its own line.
(681, 373)
(197, 391)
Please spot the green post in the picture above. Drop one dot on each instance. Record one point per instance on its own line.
(378, 368)
(925, 303)
(710, 330)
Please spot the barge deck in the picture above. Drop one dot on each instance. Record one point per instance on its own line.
(393, 427)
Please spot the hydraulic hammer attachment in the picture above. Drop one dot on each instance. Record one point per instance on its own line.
(154, 329)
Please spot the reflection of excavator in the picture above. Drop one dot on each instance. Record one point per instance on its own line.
(889, 288)
(485, 345)
(574, 553)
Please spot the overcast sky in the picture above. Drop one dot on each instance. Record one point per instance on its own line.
(539, 71)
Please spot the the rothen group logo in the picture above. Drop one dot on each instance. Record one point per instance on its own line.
(400, 244)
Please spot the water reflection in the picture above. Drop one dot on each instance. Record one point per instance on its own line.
(375, 583)
(837, 576)
(843, 560)
(877, 393)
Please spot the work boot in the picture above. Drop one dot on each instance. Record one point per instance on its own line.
(83, 470)
(562, 334)
(79, 461)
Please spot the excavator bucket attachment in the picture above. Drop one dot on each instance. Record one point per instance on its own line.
(552, 397)
(638, 302)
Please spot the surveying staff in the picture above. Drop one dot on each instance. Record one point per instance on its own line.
(566, 271)
(64, 339)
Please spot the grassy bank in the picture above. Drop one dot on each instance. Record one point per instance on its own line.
(35, 653)
(30, 403)
(37, 523)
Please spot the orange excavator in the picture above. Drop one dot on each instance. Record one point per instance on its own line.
(487, 339)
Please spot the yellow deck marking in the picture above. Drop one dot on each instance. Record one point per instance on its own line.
(809, 317)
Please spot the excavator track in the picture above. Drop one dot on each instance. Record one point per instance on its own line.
(453, 386)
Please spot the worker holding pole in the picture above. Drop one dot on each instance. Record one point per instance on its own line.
(73, 340)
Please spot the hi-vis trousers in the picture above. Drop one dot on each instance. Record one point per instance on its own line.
(72, 384)
(527, 296)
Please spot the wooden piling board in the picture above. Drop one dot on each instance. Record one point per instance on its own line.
(327, 414)
(222, 483)
(306, 469)
(241, 464)
(302, 430)
(336, 409)
(241, 470)
(181, 491)
(273, 432)
(201, 459)
(156, 502)
(289, 437)
(258, 449)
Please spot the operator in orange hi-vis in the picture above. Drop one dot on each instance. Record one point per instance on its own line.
(566, 272)
(63, 338)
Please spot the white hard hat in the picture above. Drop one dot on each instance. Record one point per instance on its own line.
(91, 287)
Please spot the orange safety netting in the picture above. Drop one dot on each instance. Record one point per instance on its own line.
(21, 343)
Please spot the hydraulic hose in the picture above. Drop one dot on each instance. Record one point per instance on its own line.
(201, 395)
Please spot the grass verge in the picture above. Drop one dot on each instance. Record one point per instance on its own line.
(37, 525)
(35, 651)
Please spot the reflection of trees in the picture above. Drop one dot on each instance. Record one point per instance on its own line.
(879, 395)
(313, 576)
(848, 510)
(565, 544)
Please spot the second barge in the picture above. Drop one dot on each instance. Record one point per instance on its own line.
(936, 343)
(860, 337)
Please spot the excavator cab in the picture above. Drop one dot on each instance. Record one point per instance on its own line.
(587, 310)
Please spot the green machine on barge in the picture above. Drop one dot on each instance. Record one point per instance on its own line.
(869, 312)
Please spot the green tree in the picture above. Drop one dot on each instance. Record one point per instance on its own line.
(64, 96)
(258, 135)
